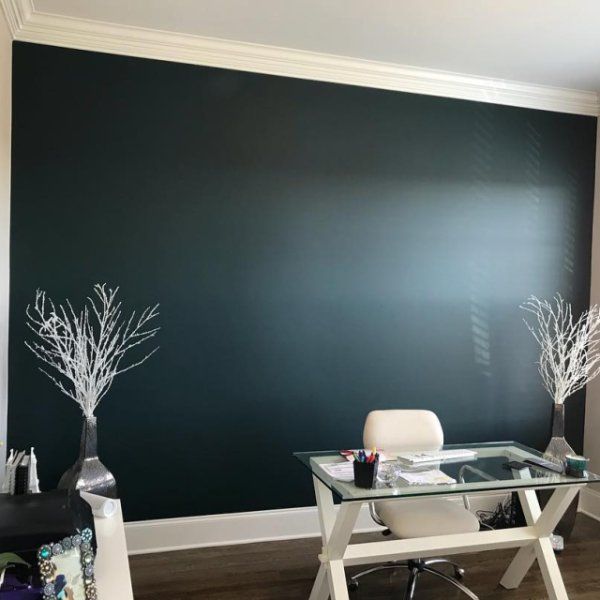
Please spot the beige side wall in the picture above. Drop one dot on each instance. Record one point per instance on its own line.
(592, 416)
(5, 127)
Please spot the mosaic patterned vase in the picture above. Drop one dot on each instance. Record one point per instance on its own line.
(557, 450)
(88, 474)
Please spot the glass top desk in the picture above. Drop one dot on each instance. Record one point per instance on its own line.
(484, 473)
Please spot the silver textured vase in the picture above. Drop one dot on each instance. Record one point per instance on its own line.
(557, 451)
(558, 448)
(88, 474)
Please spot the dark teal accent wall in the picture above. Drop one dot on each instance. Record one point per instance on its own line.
(318, 251)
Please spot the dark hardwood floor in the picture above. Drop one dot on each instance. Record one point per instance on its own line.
(285, 570)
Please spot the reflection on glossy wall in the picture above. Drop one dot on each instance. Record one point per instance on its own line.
(318, 251)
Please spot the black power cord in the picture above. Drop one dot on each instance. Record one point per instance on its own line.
(507, 514)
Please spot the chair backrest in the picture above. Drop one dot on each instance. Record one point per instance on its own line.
(403, 431)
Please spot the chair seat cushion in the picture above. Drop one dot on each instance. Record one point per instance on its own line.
(424, 518)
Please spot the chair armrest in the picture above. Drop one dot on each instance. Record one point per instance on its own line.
(374, 515)
(461, 477)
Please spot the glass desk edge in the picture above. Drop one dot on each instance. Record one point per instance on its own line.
(553, 480)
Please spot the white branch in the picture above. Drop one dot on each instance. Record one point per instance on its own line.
(570, 349)
(86, 349)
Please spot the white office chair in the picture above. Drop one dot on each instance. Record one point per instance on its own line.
(409, 430)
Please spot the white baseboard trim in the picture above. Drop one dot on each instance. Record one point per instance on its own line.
(229, 529)
(589, 503)
(164, 535)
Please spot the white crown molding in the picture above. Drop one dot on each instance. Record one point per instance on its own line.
(17, 13)
(28, 25)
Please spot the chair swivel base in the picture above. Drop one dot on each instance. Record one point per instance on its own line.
(416, 567)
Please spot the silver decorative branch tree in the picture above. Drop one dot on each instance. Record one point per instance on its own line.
(86, 350)
(570, 348)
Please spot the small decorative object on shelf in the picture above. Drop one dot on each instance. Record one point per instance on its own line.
(20, 473)
(86, 350)
(34, 482)
(67, 568)
(577, 465)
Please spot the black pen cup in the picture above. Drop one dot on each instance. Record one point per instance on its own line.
(365, 473)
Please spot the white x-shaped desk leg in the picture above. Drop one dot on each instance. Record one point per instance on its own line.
(534, 540)
(336, 531)
(544, 522)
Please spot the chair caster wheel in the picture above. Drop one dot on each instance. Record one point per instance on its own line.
(352, 586)
(459, 573)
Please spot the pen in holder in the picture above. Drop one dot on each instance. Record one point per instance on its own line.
(365, 469)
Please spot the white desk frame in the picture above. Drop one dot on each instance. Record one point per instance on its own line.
(113, 579)
(533, 542)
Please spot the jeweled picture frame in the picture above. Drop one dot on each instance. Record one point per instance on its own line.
(67, 568)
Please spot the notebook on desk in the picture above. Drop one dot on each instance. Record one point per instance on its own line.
(433, 456)
(430, 477)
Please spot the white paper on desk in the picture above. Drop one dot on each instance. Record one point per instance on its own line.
(431, 477)
(431, 456)
(342, 471)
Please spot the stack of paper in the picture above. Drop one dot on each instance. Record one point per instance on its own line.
(343, 471)
(431, 477)
(418, 458)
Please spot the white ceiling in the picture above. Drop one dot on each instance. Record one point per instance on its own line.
(549, 42)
